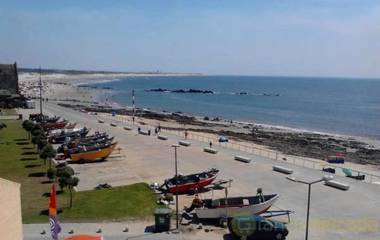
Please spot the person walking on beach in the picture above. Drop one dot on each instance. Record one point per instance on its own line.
(210, 144)
(185, 134)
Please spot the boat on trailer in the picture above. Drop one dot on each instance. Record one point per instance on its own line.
(183, 184)
(224, 208)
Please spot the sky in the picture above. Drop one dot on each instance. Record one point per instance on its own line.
(268, 37)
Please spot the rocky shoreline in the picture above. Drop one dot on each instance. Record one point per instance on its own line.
(304, 144)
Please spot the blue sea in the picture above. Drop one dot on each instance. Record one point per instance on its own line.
(333, 105)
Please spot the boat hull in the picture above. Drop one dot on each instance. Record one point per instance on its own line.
(93, 155)
(232, 211)
(182, 188)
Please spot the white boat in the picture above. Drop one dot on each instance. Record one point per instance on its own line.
(231, 207)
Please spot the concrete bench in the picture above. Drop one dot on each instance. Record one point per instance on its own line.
(100, 121)
(210, 150)
(162, 137)
(144, 132)
(128, 128)
(242, 159)
(113, 124)
(184, 143)
(282, 169)
(336, 184)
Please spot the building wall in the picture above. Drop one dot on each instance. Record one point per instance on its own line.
(10, 210)
(9, 77)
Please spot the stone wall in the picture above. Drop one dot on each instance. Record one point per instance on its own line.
(9, 78)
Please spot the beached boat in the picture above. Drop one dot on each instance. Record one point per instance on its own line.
(93, 155)
(183, 184)
(233, 206)
(335, 159)
(87, 138)
(70, 126)
(74, 146)
(54, 125)
(43, 118)
(69, 133)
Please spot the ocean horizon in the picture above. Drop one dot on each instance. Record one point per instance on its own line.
(336, 105)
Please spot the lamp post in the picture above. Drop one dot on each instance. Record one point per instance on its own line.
(133, 105)
(40, 86)
(323, 179)
(175, 146)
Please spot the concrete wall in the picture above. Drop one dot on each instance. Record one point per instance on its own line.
(10, 210)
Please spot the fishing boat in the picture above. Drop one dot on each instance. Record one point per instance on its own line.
(68, 133)
(54, 125)
(93, 137)
(183, 184)
(43, 118)
(70, 126)
(93, 155)
(68, 149)
(232, 206)
(77, 142)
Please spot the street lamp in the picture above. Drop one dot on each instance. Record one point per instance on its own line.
(323, 179)
(175, 146)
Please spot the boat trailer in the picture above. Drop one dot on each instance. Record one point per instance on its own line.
(277, 213)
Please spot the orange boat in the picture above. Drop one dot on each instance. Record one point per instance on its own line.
(93, 155)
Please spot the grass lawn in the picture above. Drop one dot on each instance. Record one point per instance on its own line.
(19, 162)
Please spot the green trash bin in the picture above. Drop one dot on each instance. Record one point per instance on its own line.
(162, 219)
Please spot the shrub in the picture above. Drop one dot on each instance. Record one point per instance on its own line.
(51, 173)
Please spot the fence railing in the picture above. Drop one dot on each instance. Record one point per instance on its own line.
(253, 149)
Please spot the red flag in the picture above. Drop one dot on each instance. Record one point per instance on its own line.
(52, 202)
(54, 224)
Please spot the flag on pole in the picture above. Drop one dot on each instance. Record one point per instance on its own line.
(54, 224)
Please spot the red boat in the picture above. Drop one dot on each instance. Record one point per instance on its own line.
(183, 184)
(56, 125)
(70, 126)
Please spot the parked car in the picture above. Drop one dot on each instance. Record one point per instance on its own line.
(223, 139)
(257, 227)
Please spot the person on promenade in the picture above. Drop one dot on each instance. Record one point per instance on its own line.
(210, 144)
(185, 134)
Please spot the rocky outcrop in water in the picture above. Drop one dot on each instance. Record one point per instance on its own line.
(180, 90)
